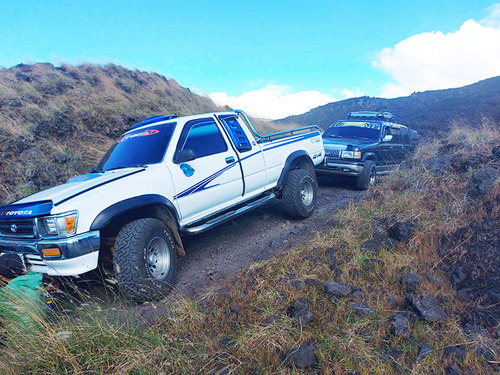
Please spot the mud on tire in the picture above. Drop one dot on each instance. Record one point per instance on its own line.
(145, 260)
(299, 193)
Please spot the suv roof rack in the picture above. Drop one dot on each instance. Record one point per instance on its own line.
(368, 115)
(152, 119)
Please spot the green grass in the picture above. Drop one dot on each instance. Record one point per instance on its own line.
(203, 336)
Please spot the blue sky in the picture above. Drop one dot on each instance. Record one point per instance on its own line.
(272, 58)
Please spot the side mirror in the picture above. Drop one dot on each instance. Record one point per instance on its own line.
(387, 138)
(185, 155)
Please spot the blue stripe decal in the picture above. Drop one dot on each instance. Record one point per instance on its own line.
(307, 136)
(202, 185)
(249, 156)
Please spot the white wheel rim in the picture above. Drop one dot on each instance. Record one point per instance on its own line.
(158, 258)
(306, 193)
(372, 177)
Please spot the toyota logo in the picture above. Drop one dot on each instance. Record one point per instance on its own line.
(13, 228)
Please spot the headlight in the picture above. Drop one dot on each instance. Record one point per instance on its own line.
(350, 154)
(62, 225)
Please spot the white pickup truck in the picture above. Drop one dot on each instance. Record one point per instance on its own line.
(165, 177)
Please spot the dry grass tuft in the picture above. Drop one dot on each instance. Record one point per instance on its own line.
(209, 335)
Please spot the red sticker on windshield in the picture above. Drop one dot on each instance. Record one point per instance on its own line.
(141, 134)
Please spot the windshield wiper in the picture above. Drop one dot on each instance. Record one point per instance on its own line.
(334, 136)
(355, 136)
(127, 166)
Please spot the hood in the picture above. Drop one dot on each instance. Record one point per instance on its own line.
(343, 143)
(78, 185)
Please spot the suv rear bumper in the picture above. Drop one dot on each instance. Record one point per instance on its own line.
(339, 167)
(79, 254)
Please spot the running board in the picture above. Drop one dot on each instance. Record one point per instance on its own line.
(227, 216)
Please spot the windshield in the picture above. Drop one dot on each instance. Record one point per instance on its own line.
(141, 147)
(354, 129)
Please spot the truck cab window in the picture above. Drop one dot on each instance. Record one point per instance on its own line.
(396, 135)
(204, 138)
(406, 136)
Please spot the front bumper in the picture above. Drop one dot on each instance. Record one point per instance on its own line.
(79, 254)
(339, 167)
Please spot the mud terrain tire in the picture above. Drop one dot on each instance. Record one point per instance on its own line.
(299, 193)
(367, 177)
(145, 260)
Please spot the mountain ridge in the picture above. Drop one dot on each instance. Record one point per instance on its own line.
(428, 112)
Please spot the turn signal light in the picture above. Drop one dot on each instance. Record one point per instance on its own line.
(54, 252)
(70, 223)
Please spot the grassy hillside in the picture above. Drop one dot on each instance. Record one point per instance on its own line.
(429, 112)
(404, 282)
(56, 122)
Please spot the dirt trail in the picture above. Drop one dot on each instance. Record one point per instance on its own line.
(214, 256)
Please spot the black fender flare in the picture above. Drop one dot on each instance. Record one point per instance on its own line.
(297, 158)
(149, 205)
(369, 156)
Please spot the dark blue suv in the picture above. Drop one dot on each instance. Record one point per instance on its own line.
(365, 145)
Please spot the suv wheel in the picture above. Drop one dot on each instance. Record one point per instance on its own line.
(367, 177)
(299, 193)
(145, 260)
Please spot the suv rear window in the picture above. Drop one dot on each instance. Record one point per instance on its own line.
(141, 147)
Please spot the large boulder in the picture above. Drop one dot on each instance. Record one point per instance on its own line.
(402, 231)
(336, 289)
(299, 310)
(485, 178)
(301, 358)
(400, 326)
(427, 306)
(439, 165)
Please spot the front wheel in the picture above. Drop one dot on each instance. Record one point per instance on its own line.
(145, 260)
(367, 177)
(299, 193)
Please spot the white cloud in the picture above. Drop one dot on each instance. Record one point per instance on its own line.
(198, 91)
(273, 102)
(434, 60)
(352, 94)
(493, 19)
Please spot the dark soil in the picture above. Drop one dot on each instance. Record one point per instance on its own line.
(214, 256)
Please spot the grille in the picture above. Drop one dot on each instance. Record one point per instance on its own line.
(24, 228)
(334, 154)
(35, 262)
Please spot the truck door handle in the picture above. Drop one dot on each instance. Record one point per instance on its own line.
(230, 160)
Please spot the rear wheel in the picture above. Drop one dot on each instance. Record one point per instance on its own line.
(145, 260)
(299, 193)
(367, 177)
